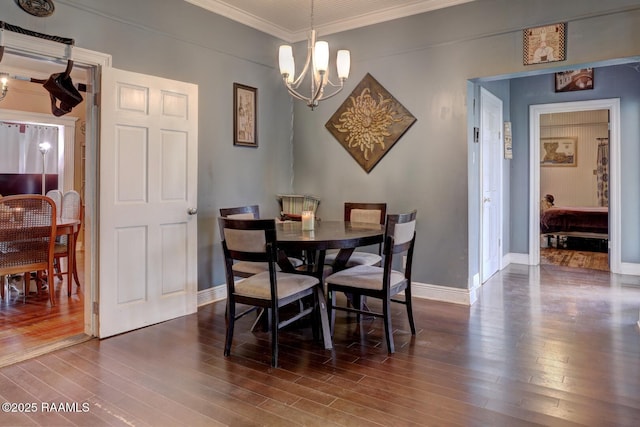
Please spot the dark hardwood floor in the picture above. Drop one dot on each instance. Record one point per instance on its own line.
(544, 345)
(32, 326)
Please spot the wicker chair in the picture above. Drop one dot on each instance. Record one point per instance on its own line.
(27, 238)
(71, 208)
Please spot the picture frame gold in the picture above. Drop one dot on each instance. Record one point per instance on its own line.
(559, 151)
(543, 44)
(245, 115)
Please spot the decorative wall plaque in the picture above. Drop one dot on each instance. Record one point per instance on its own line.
(39, 8)
(369, 122)
(544, 44)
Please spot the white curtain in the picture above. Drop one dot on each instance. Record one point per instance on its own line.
(603, 171)
(9, 147)
(20, 148)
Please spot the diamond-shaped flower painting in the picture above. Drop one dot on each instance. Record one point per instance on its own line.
(369, 122)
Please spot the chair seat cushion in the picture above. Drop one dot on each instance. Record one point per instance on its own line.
(364, 276)
(258, 286)
(356, 258)
(249, 267)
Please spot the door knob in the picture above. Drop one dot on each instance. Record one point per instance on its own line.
(192, 211)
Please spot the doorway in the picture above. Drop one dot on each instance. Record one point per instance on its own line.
(536, 113)
(28, 56)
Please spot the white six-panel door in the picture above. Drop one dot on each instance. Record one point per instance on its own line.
(491, 152)
(148, 191)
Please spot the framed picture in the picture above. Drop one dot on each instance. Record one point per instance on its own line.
(245, 101)
(558, 151)
(369, 122)
(544, 44)
(581, 79)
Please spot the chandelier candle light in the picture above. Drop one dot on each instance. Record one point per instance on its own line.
(318, 60)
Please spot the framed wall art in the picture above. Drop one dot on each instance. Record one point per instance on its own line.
(369, 122)
(558, 151)
(544, 44)
(581, 79)
(245, 119)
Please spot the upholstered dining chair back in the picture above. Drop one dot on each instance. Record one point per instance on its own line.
(248, 268)
(254, 240)
(27, 236)
(362, 213)
(241, 212)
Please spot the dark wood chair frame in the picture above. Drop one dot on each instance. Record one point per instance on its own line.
(272, 305)
(386, 293)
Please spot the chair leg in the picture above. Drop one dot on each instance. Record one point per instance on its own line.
(231, 319)
(407, 295)
(275, 322)
(331, 313)
(388, 329)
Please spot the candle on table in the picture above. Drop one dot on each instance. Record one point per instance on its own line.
(307, 220)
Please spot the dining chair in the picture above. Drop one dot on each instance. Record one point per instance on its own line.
(56, 196)
(367, 213)
(248, 268)
(255, 241)
(380, 282)
(27, 238)
(72, 209)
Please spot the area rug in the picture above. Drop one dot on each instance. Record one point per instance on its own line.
(577, 259)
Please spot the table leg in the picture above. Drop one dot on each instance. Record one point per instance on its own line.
(71, 261)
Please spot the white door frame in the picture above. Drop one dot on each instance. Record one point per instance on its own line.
(35, 48)
(613, 105)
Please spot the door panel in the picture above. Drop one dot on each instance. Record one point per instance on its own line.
(148, 179)
(491, 140)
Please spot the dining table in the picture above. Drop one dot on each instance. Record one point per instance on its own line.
(312, 244)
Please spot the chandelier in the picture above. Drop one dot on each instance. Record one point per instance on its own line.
(318, 63)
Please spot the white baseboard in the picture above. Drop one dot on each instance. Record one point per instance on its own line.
(515, 258)
(419, 290)
(213, 294)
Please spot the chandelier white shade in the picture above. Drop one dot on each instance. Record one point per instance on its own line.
(317, 63)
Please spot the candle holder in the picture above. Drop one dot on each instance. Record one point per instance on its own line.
(308, 220)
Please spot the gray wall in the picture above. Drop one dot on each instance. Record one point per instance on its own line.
(620, 81)
(176, 40)
(425, 61)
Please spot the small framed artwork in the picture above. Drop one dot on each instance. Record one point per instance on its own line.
(245, 101)
(558, 151)
(544, 44)
(567, 81)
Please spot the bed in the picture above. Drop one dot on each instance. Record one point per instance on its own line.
(582, 223)
(575, 219)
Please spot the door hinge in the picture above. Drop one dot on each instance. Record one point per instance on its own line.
(476, 134)
(96, 307)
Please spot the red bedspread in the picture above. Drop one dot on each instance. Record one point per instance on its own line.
(577, 219)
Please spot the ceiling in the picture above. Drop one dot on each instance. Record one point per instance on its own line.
(290, 20)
